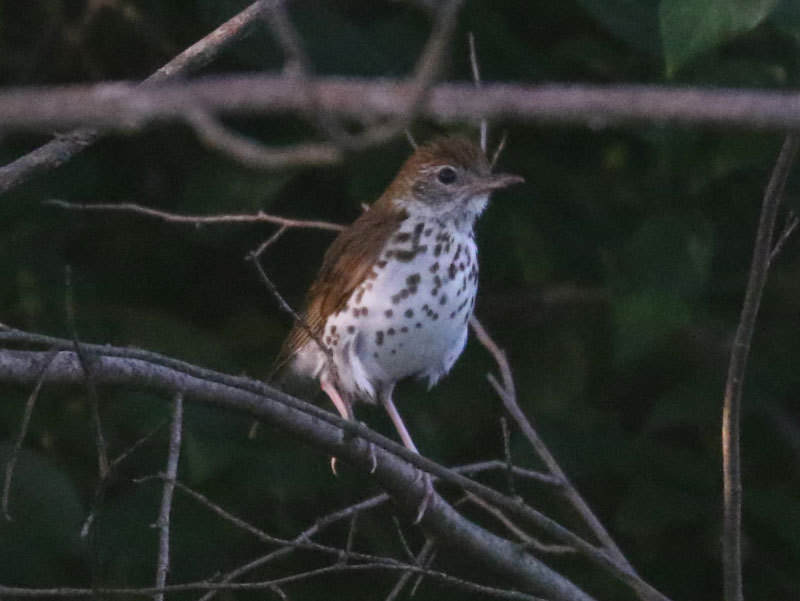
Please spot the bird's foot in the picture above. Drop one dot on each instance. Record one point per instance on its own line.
(372, 457)
(426, 499)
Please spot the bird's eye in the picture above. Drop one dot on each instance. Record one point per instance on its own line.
(446, 175)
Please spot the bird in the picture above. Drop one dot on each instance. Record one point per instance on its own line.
(393, 297)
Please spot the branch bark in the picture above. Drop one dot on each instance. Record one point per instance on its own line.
(394, 473)
(126, 106)
(62, 148)
(731, 404)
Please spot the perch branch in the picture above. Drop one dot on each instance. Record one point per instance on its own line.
(324, 430)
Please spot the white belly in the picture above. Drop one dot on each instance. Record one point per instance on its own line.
(408, 320)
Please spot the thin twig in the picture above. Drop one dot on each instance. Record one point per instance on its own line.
(94, 398)
(101, 484)
(731, 404)
(473, 587)
(306, 535)
(171, 475)
(792, 221)
(260, 217)
(526, 539)
(421, 559)
(507, 393)
(64, 147)
(476, 79)
(298, 319)
(23, 430)
(216, 135)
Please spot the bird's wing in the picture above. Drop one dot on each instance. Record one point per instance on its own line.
(347, 263)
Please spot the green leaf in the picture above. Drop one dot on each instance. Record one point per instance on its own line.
(690, 27)
(634, 21)
(787, 17)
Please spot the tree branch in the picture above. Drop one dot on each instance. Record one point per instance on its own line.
(326, 432)
(64, 147)
(731, 404)
(125, 106)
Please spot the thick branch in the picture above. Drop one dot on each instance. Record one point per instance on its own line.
(124, 106)
(395, 475)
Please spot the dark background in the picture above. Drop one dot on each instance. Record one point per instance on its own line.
(613, 277)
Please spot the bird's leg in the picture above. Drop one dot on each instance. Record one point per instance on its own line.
(342, 406)
(386, 400)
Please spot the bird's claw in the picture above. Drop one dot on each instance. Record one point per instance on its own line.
(426, 499)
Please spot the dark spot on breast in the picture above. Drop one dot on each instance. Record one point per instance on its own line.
(418, 325)
(429, 231)
(404, 329)
(388, 313)
(452, 314)
(458, 253)
(434, 268)
(404, 293)
(452, 271)
(364, 310)
(351, 329)
(413, 279)
(435, 316)
(418, 229)
(443, 300)
(372, 274)
(403, 237)
(381, 264)
(390, 332)
(379, 337)
(409, 313)
(437, 250)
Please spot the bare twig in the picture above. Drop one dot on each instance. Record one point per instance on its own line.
(476, 79)
(170, 476)
(100, 486)
(260, 217)
(528, 542)
(792, 221)
(23, 430)
(94, 398)
(507, 393)
(422, 559)
(731, 404)
(306, 535)
(254, 154)
(63, 148)
(65, 592)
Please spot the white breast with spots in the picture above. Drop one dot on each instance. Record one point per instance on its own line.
(409, 317)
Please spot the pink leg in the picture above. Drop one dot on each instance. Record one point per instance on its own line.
(342, 406)
(386, 400)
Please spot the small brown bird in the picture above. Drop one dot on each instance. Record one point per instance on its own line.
(396, 288)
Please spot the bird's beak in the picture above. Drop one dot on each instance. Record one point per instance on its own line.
(495, 181)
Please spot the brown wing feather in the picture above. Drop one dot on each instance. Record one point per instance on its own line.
(347, 262)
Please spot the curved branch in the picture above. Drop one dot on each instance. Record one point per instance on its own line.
(326, 432)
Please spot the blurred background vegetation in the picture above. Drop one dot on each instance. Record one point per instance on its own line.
(613, 277)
